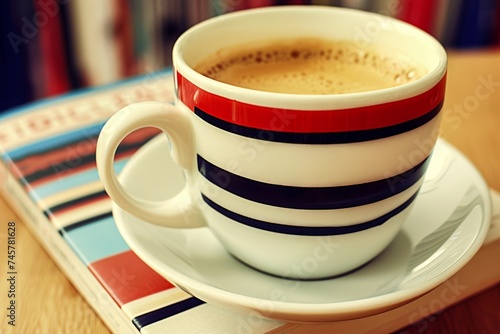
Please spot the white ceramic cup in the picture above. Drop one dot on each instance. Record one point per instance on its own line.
(298, 186)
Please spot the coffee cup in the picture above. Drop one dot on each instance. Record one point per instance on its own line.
(304, 133)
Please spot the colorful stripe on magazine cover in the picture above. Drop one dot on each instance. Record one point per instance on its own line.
(59, 174)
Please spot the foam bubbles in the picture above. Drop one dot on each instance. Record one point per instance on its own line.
(310, 66)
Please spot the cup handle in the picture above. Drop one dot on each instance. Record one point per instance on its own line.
(179, 211)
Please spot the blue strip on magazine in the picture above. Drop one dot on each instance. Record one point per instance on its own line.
(96, 240)
(70, 182)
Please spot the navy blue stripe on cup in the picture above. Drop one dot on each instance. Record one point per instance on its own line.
(307, 230)
(320, 137)
(311, 198)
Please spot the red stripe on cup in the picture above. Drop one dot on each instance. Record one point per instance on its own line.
(309, 121)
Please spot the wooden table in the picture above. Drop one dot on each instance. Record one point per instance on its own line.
(471, 122)
(48, 302)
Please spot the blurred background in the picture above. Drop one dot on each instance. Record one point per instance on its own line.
(50, 47)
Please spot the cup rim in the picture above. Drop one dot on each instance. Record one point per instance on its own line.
(310, 101)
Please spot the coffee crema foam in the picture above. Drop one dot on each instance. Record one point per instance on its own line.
(310, 66)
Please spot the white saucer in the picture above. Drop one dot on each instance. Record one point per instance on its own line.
(444, 230)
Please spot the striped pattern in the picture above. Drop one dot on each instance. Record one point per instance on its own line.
(319, 137)
(166, 312)
(312, 126)
(312, 198)
(307, 230)
(326, 130)
(59, 174)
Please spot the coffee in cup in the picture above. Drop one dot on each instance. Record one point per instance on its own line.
(310, 66)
